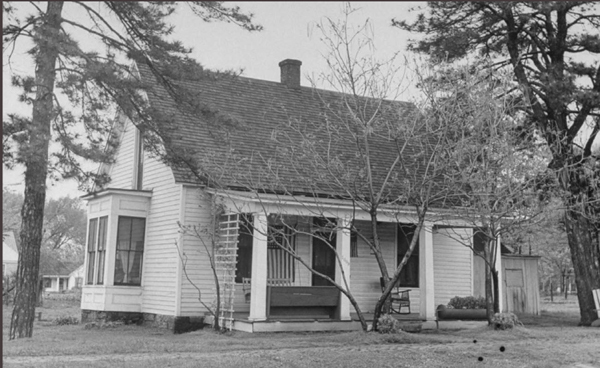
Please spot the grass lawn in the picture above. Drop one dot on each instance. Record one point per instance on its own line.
(550, 340)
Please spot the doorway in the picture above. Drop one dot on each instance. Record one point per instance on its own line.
(323, 257)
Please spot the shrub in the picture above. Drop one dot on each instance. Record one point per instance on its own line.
(504, 321)
(66, 321)
(388, 324)
(467, 302)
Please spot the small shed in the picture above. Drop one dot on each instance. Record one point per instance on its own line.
(520, 284)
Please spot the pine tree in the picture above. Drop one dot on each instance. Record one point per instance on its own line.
(73, 94)
(552, 50)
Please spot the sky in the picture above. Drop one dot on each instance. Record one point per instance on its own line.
(290, 32)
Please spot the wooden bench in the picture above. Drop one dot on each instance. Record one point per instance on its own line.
(302, 302)
(247, 285)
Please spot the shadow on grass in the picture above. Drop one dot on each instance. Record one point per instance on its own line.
(551, 319)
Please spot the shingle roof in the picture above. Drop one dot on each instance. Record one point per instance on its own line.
(240, 141)
(57, 268)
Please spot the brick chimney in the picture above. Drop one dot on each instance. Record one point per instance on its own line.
(290, 73)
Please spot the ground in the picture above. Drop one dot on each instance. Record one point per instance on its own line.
(552, 340)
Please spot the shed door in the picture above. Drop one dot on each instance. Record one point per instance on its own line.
(323, 258)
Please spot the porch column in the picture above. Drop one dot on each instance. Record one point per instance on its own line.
(258, 286)
(498, 265)
(426, 288)
(343, 250)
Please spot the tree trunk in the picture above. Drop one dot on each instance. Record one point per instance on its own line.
(489, 299)
(36, 167)
(586, 263)
(40, 292)
(496, 284)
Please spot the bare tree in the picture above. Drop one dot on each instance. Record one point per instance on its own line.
(379, 155)
(493, 169)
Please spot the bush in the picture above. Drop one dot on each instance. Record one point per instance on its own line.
(504, 321)
(467, 302)
(61, 321)
(387, 324)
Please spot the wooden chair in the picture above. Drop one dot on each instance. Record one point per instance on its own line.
(399, 298)
(246, 287)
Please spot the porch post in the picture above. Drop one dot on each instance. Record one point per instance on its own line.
(343, 250)
(426, 273)
(258, 286)
(498, 265)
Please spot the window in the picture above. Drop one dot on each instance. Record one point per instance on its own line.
(280, 264)
(409, 276)
(244, 248)
(353, 244)
(96, 249)
(479, 241)
(101, 249)
(91, 248)
(47, 283)
(130, 250)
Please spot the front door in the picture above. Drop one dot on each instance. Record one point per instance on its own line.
(323, 258)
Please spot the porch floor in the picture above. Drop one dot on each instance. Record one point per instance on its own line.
(316, 323)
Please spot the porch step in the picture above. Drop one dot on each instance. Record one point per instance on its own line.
(307, 318)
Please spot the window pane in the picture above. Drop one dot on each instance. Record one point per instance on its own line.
(92, 234)
(100, 279)
(409, 276)
(135, 268)
(137, 234)
(479, 240)
(130, 251)
(120, 266)
(91, 261)
(102, 233)
(124, 233)
(405, 236)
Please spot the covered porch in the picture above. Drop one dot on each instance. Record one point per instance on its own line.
(252, 304)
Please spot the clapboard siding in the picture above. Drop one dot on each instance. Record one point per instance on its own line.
(197, 263)
(160, 256)
(121, 171)
(452, 264)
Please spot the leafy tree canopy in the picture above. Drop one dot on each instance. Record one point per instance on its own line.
(552, 50)
(552, 46)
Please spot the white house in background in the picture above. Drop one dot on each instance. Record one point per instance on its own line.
(10, 253)
(62, 277)
(135, 252)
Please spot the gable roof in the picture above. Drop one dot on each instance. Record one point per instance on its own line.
(58, 268)
(237, 145)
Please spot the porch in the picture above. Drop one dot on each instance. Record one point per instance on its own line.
(241, 322)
